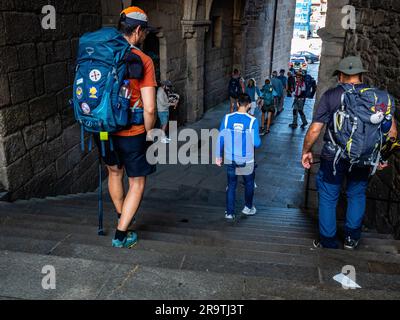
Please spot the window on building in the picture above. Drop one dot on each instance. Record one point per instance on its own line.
(216, 32)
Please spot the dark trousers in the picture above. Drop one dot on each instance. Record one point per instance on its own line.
(232, 171)
(298, 106)
(329, 187)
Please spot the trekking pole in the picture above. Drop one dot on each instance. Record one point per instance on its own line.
(100, 213)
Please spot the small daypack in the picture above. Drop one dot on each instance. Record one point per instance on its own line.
(357, 126)
(100, 73)
(268, 96)
(235, 88)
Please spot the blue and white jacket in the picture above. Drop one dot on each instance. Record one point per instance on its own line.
(239, 135)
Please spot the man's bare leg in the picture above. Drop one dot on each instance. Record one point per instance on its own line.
(164, 129)
(263, 121)
(132, 202)
(116, 187)
(269, 121)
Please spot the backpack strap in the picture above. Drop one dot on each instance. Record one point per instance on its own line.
(90, 143)
(82, 139)
(111, 144)
(103, 148)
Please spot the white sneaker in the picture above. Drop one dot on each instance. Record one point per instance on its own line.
(229, 216)
(249, 212)
(165, 140)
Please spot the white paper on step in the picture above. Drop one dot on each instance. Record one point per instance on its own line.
(346, 282)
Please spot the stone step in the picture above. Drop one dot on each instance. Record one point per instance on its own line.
(70, 209)
(278, 253)
(88, 279)
(81, 216)
(208, 236)
(243, 225)
(198, 236)
(178, 260)
(261, 219)
(91, 202)
(260, 235)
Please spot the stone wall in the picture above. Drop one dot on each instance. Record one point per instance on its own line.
(218, 56)
(376, 40)
(39, 140)
(259, 17)
(283, 34)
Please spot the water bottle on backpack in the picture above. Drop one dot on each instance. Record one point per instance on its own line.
(125, 92)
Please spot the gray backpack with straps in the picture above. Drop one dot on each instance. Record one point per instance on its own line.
(357, 126)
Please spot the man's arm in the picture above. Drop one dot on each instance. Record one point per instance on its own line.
(220, 144)
(149, 107)
(256, 135)
(312, 136)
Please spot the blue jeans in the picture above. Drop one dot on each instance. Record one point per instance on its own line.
(231, 191)
(329, 187)
(164, 117)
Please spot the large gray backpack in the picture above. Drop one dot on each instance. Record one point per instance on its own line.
(357, 125)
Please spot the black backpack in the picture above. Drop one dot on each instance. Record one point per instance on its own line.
(234, 88)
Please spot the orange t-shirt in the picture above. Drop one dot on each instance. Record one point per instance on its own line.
(148, 80)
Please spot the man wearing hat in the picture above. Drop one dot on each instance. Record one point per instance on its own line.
(130, 145)
(349, 71)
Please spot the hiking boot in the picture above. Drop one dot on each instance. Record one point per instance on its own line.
(350, 244)
(128, 242)
(293, 125)
(304, 125)
(249, 212)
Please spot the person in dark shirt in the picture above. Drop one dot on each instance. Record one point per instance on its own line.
(291, 84)
(299, 102)
(350, 71)
(284, 81)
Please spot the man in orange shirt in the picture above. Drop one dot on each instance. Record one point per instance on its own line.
(131, 145)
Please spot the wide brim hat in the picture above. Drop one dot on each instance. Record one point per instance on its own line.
(350, 65)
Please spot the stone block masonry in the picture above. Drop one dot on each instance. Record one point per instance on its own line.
(376, 40)
(39, 140)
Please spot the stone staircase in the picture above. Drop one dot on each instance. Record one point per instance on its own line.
(185, 251)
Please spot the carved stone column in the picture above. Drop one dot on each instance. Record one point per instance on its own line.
(194, 35)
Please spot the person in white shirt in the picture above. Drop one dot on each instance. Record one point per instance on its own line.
(163, 104)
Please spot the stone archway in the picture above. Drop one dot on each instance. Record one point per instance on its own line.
(196, 23)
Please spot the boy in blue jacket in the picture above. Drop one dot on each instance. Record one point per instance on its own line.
(239, 136)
